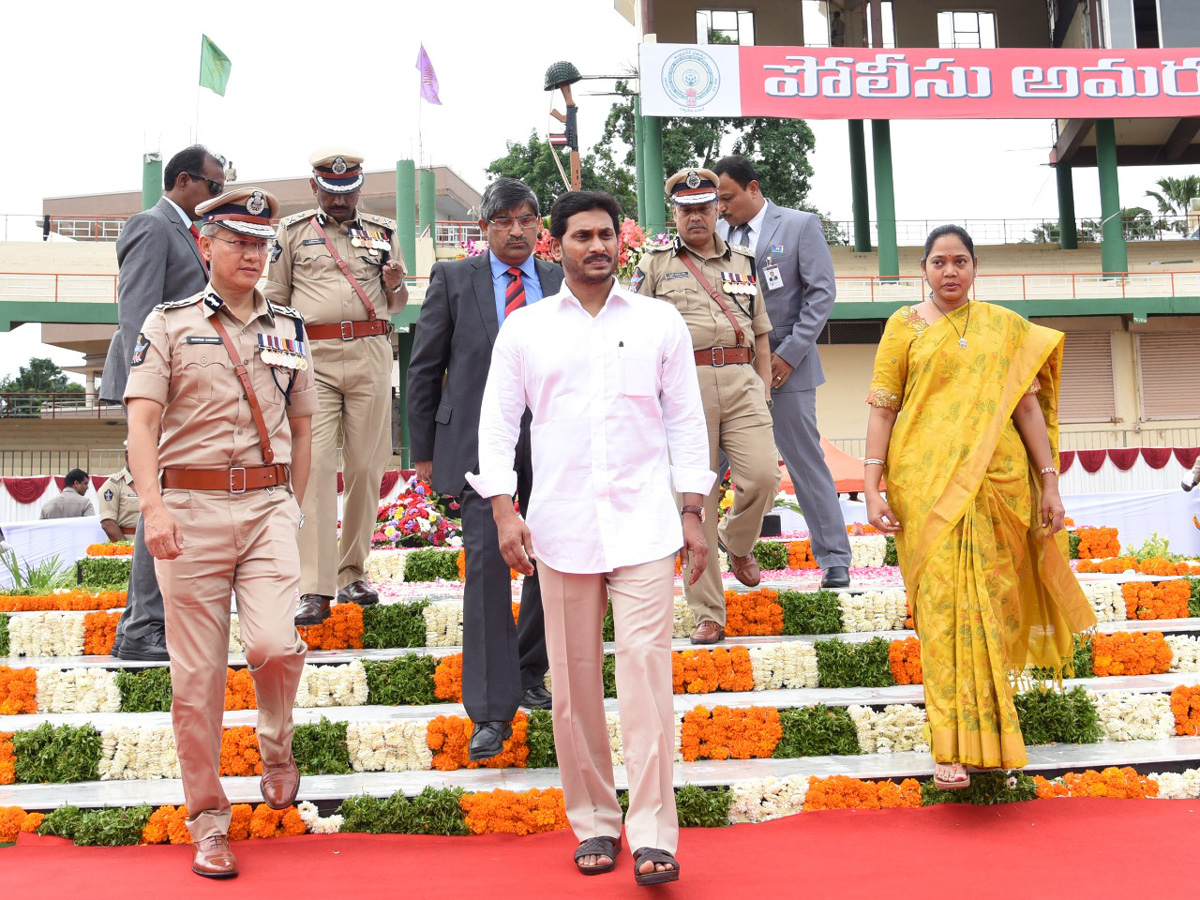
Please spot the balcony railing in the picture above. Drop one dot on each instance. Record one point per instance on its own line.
(451, 234)
(51, 405)
(1031, 286)
(57, 288)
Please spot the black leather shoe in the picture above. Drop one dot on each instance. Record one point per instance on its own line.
(150, 647)
(488, 739)
(358, 592)
(836, 577)
(536, 697)
(115, 652)
(313, 609)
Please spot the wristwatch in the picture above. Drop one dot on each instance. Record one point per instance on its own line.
(697, 511)
(398, 288)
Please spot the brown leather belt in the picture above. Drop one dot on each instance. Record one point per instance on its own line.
(722, 356)
(129, 530)
(237, 480)
(348, 330)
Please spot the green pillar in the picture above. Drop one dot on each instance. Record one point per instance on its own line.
(639, 167)
(1114, 255)
(428, 213)
(406, 211)
(1068, 234)
(885, 198)
(152, 184)
(653, 174)
(860, 195)
(404, 341)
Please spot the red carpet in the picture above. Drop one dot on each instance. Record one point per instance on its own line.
(1050, 848)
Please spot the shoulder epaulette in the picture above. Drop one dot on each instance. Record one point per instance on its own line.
(285, 310)
(656, 248)
(178, 304)
(745, 251)
(287, 221)
(390, 224)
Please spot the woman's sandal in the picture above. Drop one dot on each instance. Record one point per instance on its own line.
(653, 854)
(956, 784)
(598, 846)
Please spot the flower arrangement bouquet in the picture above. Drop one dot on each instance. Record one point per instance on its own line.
(417, 518)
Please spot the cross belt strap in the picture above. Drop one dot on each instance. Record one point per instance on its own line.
(237, 480)
(714, 293)
(243, 375)
(341, 264)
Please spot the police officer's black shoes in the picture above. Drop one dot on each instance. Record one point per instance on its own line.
(536, 697)
(358, 592)
(488, 739)
(836, 577)
(149, 647)
(313, 609)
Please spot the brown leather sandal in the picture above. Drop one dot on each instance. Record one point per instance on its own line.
(653, 854)
(598, 846)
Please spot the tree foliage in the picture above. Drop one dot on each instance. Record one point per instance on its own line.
(41, 376)
(1174, 197)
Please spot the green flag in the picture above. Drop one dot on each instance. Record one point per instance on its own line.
(214, 66)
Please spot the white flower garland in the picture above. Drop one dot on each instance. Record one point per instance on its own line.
(1106, 600)
(78, 691)
(235, 635)
(873, 610)
(867, 550)
(344, 685)
(46, 634)
(1185, 653)
(1125, 716)
(386, 566)
(388, 747)
(315, 823)
(893, 729)
(133, 754)
(685, 621)
(1177, 785)
(443, 623)
(790, 664)
(613, 721)
(763, 799)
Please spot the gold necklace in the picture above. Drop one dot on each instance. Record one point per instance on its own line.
(962, 337)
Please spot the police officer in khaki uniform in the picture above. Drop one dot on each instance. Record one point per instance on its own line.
(713, 286)
(119, 506)
(220, 399)
(346, 315)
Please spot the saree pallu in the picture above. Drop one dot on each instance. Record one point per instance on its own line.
(989, 591)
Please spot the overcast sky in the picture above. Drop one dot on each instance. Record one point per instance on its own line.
(91, 86)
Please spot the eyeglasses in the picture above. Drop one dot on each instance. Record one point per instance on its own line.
(261, 248)
(506, 222)
(214, 187)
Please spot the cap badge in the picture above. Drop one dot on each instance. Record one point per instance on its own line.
(256, 203)
(693, 180)
(339, 166)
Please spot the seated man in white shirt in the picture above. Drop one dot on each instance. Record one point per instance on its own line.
(610, 379)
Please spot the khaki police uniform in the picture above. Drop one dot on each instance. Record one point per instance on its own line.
(242, 538)
(67, 504)
(119, 502)
(353, 377)
(735, 406)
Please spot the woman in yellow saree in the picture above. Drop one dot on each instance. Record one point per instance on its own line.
(964, 429)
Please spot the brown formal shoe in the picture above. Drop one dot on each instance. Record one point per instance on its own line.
(212, 858)
(280, 783)
(313, 609)
(745, 568)
(358, 592)
(708, 632)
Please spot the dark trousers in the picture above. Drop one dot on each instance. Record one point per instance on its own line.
(500, 659)
(143, 614)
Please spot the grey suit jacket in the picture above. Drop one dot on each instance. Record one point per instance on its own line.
(799, 309)
(157, 262)
(452, 350)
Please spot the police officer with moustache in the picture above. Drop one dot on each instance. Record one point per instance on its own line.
(343, 270)
(714, 287)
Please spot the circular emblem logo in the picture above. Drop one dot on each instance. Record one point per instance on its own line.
(693, 180)
(691, 78)
(339, 166)
(256, 203)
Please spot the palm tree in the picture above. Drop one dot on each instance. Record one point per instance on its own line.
(1174, 198)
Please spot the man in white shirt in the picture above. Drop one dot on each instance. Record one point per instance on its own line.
(611, 383)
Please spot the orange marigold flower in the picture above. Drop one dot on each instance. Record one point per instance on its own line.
(271, 823)
(904, 659)
(99, 632)
(76, 601)
(1098, 543)
(32, 823)
(239, 690)
(448, 736)
(120, 548)
(1156, 599)
(514, 812)
(1118, 783)
(343, 630)
(724, 733)
(8, 759)
(1185, 706)
(843, 792)
(239, 821)
(11, 820)
(753, 613)
(239, 751)
(800, 555)
(447, 678)
(1130, 654)
(18, 691)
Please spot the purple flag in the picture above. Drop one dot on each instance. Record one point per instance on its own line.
(429, 82)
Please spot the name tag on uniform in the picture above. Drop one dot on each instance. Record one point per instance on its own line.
(774, 279)
(203, 340)
(309, 241)
(671, 275)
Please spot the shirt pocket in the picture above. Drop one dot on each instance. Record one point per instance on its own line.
(206, 372)
(314, 262)
(637, 375)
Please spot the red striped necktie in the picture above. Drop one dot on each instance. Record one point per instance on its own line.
(514, 295)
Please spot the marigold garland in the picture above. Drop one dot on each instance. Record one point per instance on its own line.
(514, 812)
(66, 601)
(1119, 783)
(99, 632)
(119, 548)
(18, 691)
(724, 733)
(904, 659)
(448, 737)
(843, 792)
(705, 671)
(1130, 654)
(239, 751)
(239, 690)
(1098, 543)
(271, 823)
(1156, 599)
(800, 555)
(1185, 705)
(8, 759)
(343, 630)
(447, 678)
(753, 613)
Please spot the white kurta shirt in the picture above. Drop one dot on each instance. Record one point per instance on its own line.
(612, 396)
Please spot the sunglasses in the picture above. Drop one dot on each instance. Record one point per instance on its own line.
(214, 187)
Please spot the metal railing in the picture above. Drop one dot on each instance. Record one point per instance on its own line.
(51, 405)
(1182, 436)
(24, 463)
(451, 234)
(55, 287)
(912, 232)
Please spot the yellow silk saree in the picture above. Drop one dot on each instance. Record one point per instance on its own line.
(989, 590)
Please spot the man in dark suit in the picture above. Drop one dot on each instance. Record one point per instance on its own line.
(795, 272)
(503, 665)
(158, 261)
